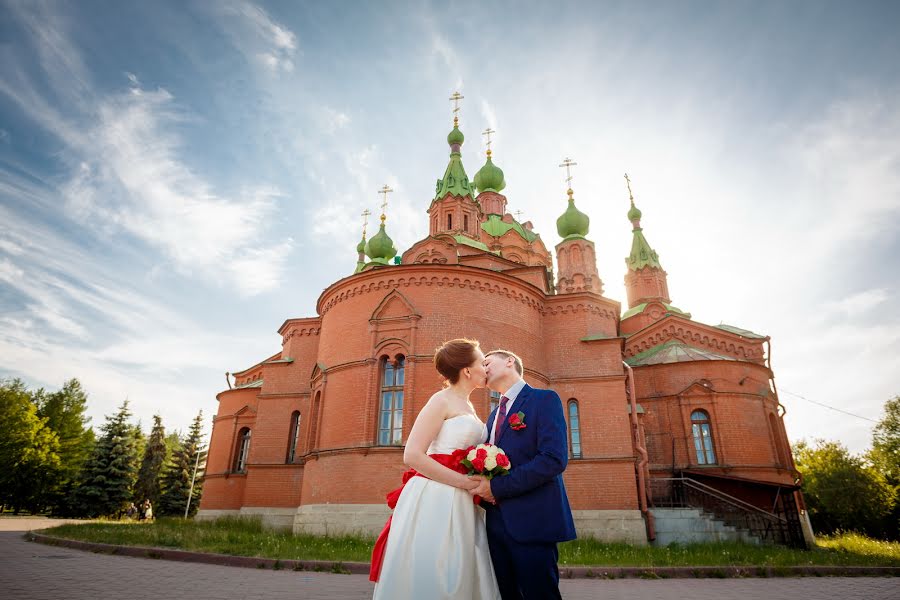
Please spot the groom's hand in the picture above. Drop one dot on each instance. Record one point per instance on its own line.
(483, 489)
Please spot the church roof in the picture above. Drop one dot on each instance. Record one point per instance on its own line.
(673, 351)
(741, 332)
(253, 384)
(495, 226)
(669, 308)
(467, 241)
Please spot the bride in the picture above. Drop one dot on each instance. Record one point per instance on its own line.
(435, 544)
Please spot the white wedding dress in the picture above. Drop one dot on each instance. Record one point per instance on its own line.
(437, 547)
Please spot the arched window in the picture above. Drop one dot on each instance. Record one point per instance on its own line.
(243, 449)
(776, 439)
(294, 439)
(703, 443)
(449, 221)
(494, 398)
(390, 419)
(574, 429)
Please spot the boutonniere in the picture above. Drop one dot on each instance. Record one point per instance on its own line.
(517, 421)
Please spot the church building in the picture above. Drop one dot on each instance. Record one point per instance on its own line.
(667, 417)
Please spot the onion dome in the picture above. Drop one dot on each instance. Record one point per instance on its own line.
(361, 246)
(490, 177)
(634, 213)
(380, 247)
(456, 137)
(573, 222)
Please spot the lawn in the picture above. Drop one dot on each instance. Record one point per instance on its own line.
(247, 537)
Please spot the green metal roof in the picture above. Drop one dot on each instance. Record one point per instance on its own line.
(669, 308)
(495, 226)
(642, 255)
(673, 351)
(467, 241)
(741, 332)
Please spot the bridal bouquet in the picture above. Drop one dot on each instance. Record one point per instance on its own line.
(487, 460)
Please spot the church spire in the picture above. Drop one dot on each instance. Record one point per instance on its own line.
(455, 180)
(573, 222)
(361, 246)
(381, 247)
(575, 254)
(642, 255)
(645, 282)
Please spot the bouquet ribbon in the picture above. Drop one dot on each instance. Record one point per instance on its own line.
(451, 461)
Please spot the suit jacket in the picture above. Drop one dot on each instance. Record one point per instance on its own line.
(532, 498)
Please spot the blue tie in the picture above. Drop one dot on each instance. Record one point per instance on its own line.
(501, 415)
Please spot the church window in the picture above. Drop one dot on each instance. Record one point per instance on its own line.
(294, 439)
(494, 400)
(703, 443)
(574, 429)
(465, 222)
(449, 221)
(243, 449)
(390, 420)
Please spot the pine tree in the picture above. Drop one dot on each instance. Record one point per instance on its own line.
(148, 480)
(65, 414)
(176, 482)
(110, 475)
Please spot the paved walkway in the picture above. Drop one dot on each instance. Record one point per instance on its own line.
(30, 571)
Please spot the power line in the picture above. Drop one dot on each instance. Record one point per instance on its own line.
(781, 389)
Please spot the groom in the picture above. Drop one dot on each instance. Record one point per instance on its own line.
(527, 510)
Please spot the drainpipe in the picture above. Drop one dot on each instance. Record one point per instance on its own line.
(644, 460)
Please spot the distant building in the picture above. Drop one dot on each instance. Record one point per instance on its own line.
(662, 410)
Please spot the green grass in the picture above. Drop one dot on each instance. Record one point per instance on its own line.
(235, 536)
(247, 537)
(844, 550)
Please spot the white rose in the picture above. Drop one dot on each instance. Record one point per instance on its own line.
(471, 455)
(490, 462)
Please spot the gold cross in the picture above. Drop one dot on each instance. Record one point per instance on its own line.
(628, 183)
(365, 216)
(385, 190)
(455, 98)
(487, 133)
(568, 163)
(518, 214)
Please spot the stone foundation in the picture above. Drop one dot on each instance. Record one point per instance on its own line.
(611, 525)
(341, 519)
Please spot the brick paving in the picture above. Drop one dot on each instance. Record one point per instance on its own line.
(30, 571)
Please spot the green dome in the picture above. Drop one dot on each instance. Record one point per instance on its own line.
(573, 222)
(634, 214)
(380, 246)
(361, 246)
(456, 136)
(489, 177)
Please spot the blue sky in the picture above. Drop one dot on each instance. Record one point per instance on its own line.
(176, 179)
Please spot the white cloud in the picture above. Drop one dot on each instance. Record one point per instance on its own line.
(259, 37)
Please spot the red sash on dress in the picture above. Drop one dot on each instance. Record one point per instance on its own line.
(451, 461)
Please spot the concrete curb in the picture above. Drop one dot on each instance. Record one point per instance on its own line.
(361, 568)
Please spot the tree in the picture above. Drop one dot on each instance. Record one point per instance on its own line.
(110, 474)
(148, 479)
(841, 490)
(177, 475)
(29, 449)
(885, 457)
(64, 411)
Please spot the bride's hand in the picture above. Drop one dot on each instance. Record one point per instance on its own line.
(474, 482)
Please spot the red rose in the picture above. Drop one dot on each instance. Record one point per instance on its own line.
(514, 419)
(502, 460)
(480, 454)
(478, 464)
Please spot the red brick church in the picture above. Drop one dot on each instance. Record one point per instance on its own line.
(664, 413)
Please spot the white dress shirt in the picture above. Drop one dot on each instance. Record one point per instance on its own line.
(511, 395)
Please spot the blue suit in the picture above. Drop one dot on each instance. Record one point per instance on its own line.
(532, 512)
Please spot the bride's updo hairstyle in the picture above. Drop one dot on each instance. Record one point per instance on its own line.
(454, 356)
